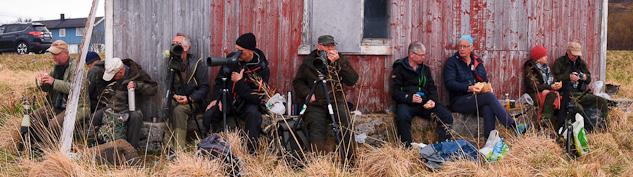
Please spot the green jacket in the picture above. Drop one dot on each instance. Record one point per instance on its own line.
(563, 67)
(61, 88)
(115, 94)
(307, 74)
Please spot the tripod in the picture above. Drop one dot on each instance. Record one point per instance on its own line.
(321, 83)
(567, 126)
(222, 98)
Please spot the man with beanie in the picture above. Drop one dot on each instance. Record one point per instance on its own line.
(49, 119)
(190, 87)
(573, 72)
(244, 82)
(317, 119)
(117, 121)
(96, 84)
(539, 83)
(464, 78)
(414, 93)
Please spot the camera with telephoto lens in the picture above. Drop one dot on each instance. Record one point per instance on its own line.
(321, 62)
(232, 59)
(174, 56)
(580, 75)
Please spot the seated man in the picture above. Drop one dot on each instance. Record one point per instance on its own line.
(126, 74)
(573, 72)
(538, 82)
(414, 92)
(317, 118)
(243, 82)
(48, 120)
(96, 84)
(462, 73)
(190, 87)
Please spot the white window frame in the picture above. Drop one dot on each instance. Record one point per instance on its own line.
(79, 31)
(368, 46)
(62, 32)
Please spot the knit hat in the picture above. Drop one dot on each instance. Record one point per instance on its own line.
(247, 41)
(467, 37)
(91, 57)
(538, 52)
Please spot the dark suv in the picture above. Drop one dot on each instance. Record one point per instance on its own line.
(24, 38)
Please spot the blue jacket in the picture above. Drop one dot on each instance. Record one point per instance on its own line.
(458, 75)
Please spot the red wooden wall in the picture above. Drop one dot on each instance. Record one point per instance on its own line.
(504, 31)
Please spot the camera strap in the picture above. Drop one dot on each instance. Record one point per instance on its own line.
(193, 73)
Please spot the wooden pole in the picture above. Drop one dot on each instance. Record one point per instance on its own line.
(75, 92)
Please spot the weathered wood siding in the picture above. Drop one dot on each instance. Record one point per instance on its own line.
(143, 29)
(504, 31)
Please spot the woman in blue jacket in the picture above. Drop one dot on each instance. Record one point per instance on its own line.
(462, 72)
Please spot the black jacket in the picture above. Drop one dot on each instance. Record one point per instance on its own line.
(196, 80)
(243, 91)
(307, 74)
(532, 79)
(564, 66)
(406, 82)
(458, 75)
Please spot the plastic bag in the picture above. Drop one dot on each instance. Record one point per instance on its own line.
(495, 147)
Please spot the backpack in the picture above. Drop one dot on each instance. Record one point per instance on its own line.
(215, 146)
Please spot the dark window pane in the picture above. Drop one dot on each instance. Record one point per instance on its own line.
(376, 19)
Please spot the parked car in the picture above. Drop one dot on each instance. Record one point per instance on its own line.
(24, 38)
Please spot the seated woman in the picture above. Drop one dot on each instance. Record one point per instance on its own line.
(463, 74)
(538, 82)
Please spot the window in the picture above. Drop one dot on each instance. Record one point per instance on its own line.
(1, 29)
(79, 31)
(358, 26)
(13, 28)
(375, 19)
(62, 32)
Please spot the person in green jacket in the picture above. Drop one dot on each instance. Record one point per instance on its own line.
(572, 70)
(49, 119)
(317, 119)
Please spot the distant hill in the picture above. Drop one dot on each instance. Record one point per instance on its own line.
(620, 27)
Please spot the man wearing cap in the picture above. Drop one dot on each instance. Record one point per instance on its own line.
(414, 93)
(96, 84)
(190, 87)
(57, 84)
(244, 82)
(316, 117)
(123, 75)
(539, 83)
(464, 74)
(573, 72)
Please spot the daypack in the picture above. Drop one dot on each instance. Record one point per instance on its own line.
(435, 155)
(114, 126)
(578, 143)
(215, 147)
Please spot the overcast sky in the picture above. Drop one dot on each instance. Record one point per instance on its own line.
(11, 10)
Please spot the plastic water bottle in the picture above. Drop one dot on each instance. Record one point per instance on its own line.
(131, 102)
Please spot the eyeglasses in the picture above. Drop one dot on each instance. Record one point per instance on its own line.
(463, 46)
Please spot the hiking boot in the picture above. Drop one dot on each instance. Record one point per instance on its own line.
(521, 129)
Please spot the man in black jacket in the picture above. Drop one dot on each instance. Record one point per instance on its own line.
(415, 94)
(244, 81)
(190, 87)
(318, 122)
